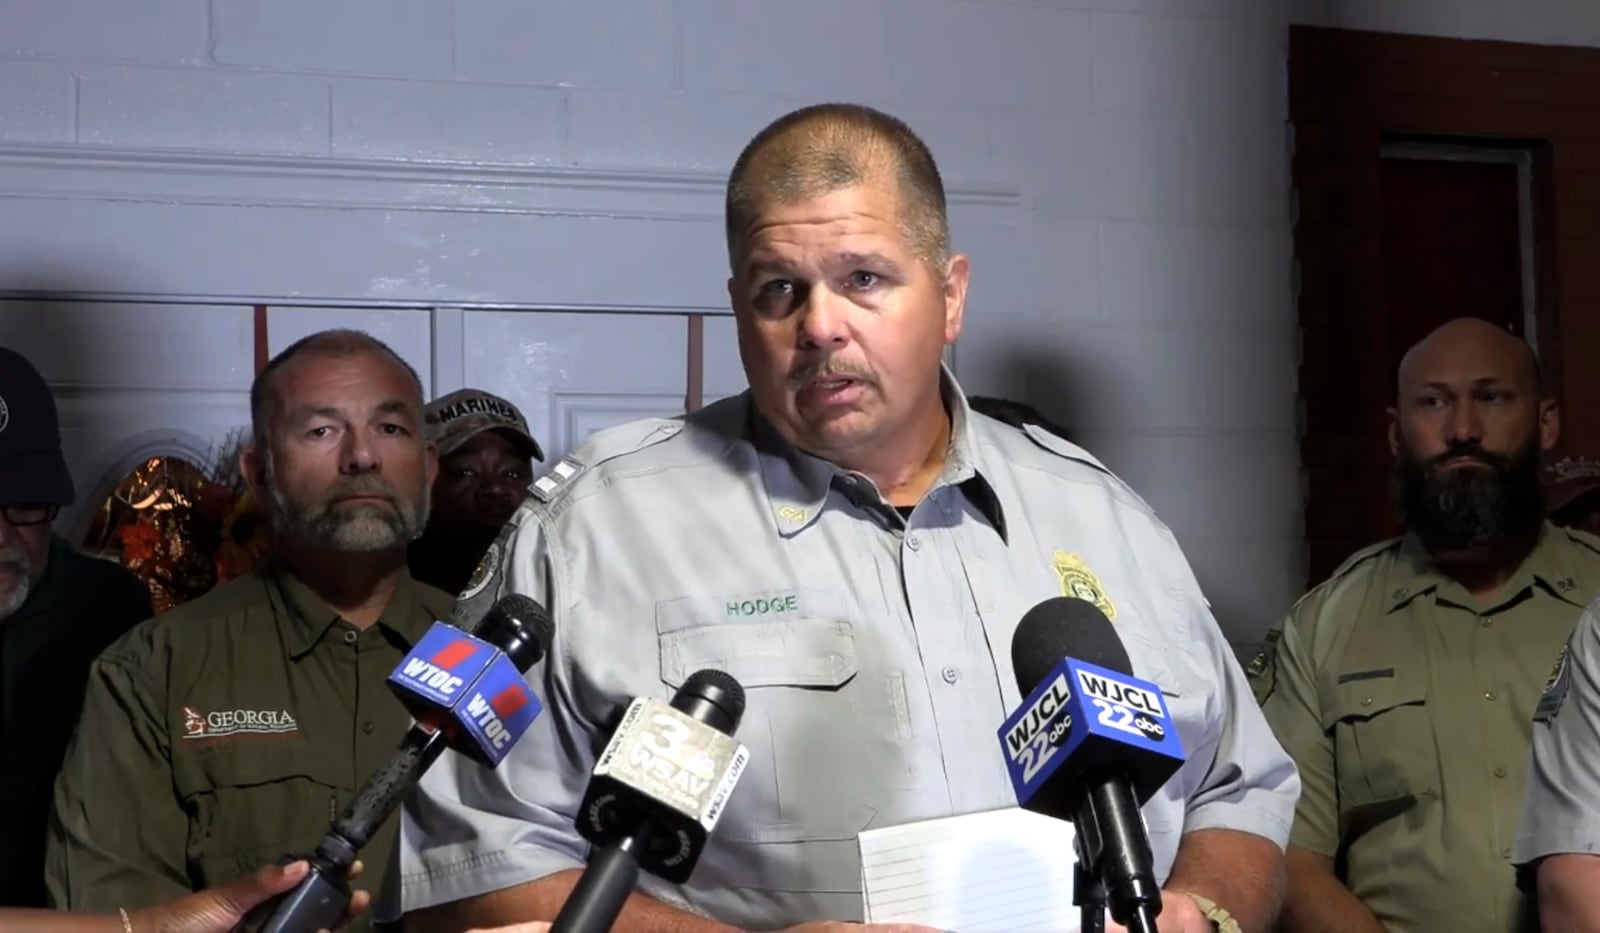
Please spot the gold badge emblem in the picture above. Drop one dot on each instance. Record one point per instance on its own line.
(483, 573)
(1078, 581)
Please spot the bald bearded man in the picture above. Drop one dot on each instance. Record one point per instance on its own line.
(1405, 685)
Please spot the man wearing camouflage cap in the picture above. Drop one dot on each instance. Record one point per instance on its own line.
(486, 455)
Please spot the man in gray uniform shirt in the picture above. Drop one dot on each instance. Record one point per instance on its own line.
(1558, 841)
(855, 546)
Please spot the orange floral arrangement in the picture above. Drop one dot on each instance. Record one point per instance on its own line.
(184, 530)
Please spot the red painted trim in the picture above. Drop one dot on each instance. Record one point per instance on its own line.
(261, 338)
(695, 396)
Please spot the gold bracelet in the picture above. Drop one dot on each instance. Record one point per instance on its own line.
(127, 925)
(1219, 918)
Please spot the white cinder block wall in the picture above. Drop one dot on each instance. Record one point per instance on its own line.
(1118, 171)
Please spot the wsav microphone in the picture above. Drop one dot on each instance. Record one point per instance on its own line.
(655, 795)
(466, 692)
(1090, 744)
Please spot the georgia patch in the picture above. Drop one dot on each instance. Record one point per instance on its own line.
(1555, 689)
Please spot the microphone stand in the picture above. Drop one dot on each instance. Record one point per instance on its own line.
(1090, 896)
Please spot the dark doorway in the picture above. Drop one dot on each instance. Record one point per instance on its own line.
(1414, 207)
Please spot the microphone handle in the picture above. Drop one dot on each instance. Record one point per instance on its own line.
(1120, 855)
(383, 792)
(322, 898)
(597, 899)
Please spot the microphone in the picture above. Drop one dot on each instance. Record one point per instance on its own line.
(466, 692)
(1090, 744)
(656, 794)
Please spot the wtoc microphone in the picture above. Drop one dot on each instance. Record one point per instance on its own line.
(1090, 744)
(656, 793)
(490, 707)
(467, 687)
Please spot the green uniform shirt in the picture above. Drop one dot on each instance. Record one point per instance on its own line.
(224, 734)
(1407, 707)
(78, 607)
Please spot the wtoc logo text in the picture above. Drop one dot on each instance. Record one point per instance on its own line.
(664, 750)
(1037, 736)
(435, 673)
(490, 713)
(1123, 706)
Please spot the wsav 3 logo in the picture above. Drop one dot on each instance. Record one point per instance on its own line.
(1037, 737)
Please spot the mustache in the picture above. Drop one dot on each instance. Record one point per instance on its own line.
(801, 375)
(15, 557)
(361, 486)
(1500, 462)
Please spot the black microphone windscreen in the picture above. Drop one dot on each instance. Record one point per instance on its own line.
(519, 626)
(712, 696)
(1064, 627)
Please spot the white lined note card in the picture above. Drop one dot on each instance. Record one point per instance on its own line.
(1001, 871)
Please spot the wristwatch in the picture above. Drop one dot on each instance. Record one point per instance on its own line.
(1221, 920)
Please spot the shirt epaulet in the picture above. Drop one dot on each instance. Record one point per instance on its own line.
(602, 446)
(1348, 567)
(1583, 539)
(1061, 447)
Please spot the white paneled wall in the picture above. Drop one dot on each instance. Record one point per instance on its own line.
(133, 382)
(1117, 170)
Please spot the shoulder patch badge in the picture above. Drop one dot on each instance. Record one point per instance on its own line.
(1555, 689)
(483, 573)
(1262, 670)
(1077, 580)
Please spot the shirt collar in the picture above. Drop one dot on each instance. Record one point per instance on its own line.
(797, 483)
(1551, 566)
(306, 618)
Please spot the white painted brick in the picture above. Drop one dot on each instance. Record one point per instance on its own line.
(1058, 275)
(970, 55)
(1194, 378)
(1418, 17)
(1225, 275)
(612, 44)
(203, 109)
(155, 31)
(998, 283)
(1200, 68)
(36, 102)
(1097, 165)
(382, 37)
(1553, 22)
(985, 357)
(835, 51)
(447, 121)
(1251, 583)
(1240, 171)
(1255, 467)
(699, 132)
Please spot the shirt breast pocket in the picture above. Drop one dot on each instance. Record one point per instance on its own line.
(810, 724)
(1383, 742)
(248, 805)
